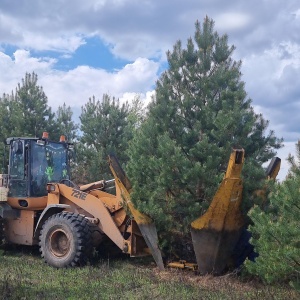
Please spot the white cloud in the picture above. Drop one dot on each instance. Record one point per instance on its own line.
(74, 87)
(13, 70)
(231, 21)
(297, 13)
(144, 97)
(273, 82)
(66, 43)
(283, 153)
(265, 33)
(142, 28)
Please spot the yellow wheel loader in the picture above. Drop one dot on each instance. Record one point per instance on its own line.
(40, 205)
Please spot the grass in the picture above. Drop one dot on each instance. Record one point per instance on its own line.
(25, 276)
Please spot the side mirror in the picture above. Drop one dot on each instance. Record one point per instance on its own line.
(71, 154)
(18, 147)
(71, 151)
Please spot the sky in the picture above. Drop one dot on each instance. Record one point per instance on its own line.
(81, 49)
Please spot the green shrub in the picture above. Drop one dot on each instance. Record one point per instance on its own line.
(276, 232)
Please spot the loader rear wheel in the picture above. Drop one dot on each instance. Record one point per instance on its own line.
(65, 240)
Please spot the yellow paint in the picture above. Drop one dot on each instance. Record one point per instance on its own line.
(224, 212)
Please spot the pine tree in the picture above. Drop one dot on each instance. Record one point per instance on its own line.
(104, 125)
(37, 116)
(200, 112)
(10, 124)
(26, 111)
(294, 164)
(276, 231)
(65, 122)
(10, 116)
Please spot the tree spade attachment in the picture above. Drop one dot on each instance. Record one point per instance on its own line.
(216, 233)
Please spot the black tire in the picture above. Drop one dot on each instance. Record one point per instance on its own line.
(65, 240)
(96, 235)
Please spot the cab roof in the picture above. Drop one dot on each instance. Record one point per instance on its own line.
(10, 139)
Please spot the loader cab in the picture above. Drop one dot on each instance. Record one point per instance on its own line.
(35, 162)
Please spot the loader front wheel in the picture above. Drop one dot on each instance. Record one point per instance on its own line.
(65, 240)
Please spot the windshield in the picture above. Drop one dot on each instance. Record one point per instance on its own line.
(48, 164)
(17, 160)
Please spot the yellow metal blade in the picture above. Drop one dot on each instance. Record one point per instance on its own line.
(216, 233)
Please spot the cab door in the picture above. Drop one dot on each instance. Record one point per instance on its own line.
(17, 173)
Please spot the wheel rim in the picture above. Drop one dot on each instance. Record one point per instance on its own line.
(59, 243)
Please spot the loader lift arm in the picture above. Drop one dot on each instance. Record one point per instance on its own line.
(144, 222)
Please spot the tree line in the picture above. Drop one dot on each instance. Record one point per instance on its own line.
(177, 150)
(105, 125)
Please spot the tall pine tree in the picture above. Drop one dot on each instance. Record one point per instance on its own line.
(200, 112)
(65, 123)
(25, 112)
(105, 129)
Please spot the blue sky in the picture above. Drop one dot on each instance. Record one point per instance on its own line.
(94, 53)
(118, 47)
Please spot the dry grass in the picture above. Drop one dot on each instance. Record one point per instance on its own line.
(230, 285)
(25, 276)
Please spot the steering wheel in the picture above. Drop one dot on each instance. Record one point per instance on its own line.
(70, 183)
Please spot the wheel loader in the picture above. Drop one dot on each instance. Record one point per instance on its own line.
(40, 205)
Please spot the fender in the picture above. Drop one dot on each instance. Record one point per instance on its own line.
(48, 211)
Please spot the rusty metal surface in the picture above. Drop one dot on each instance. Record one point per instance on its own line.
(213, 248)
(149, 233)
